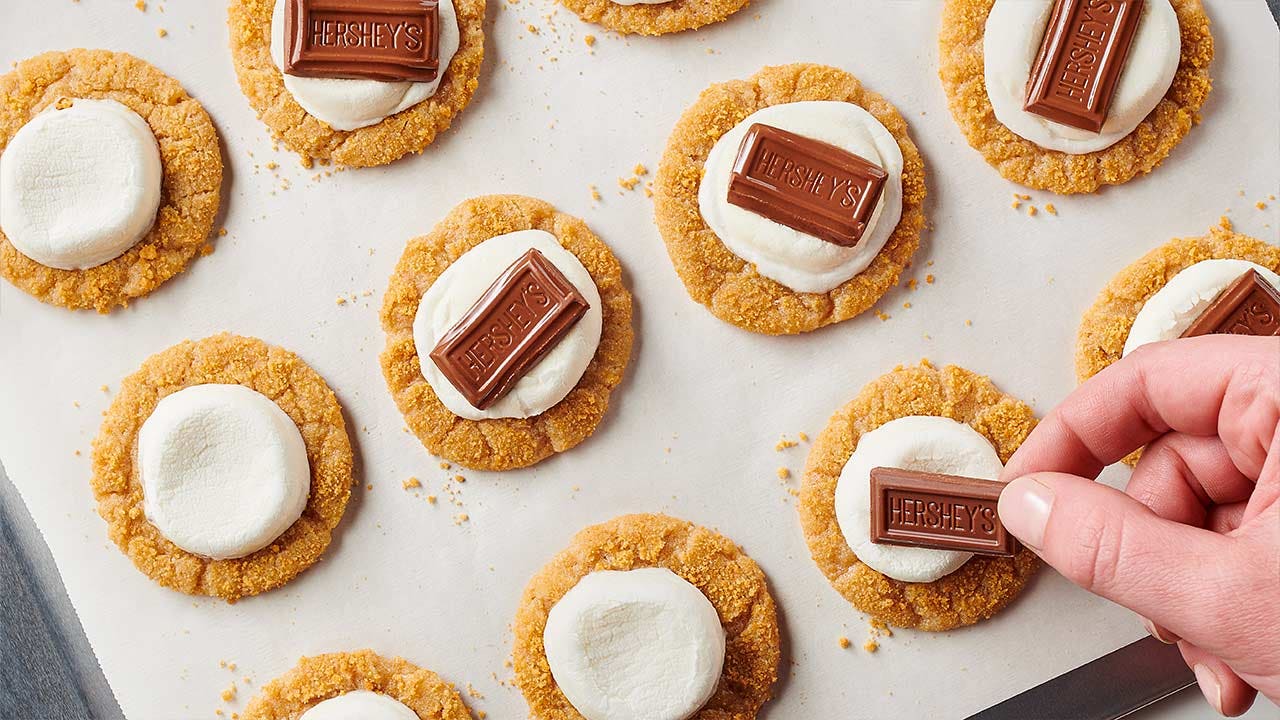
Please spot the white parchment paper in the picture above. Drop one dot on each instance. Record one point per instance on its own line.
(691, 431)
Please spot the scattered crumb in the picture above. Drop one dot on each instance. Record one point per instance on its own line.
(804, 437)
(929, 278)
(459, 478)
(1020, 196)
(1032, 211)
(844, 642)
(229, 694)
(1015, 205)
(1049, 208)
(369, 487)
(906, 306)
(595, 193)
(104, 388)
(640, 170)
(912, 284)
(783, 473)
(968, 323)
(141, 5)
(431, 499)
(871, 646)
(445, 466)
(884, 317)
(341, 300)
(1260, 205)
(628, 183)
(411, 483)
(784, 443)
(590, 40)
(161, 32)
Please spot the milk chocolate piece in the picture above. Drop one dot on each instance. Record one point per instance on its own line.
(1081, 57)
(943, 512)
(1249, 306)
(519, 319)
(391, 40)
(805, 184)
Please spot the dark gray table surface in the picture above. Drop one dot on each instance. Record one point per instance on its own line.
(47, 669)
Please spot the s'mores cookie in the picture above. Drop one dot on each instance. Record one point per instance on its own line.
(1071, 95)
(222, 467)
(508, 327)
(790, 200)
(907, 550)
(357, 84)
(110, 178)
(654, 17)
(360, 684)
(647, 616)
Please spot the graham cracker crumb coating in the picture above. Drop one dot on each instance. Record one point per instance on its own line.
(190, 159)
(319, 678)
(982, 586)
(734, 584)
(289, 382)
(410, 131)
(502, 443)
(728, 285)
(660, 19)
(960, 53)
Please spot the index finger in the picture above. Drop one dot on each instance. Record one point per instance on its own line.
(1224, 385)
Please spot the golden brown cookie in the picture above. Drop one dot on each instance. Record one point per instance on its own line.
(1104, 329)
(657, 19)
(502, 443)
(301, 394)
(730, 286)
(982, 586)
(189, 156)
(319, 678)
(410, 131)
(733, 583)
(1022, 161)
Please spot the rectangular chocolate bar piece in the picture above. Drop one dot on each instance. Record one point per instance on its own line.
(1248, 306)
(519, 319)
(390, 40)
(943, 512)
(805, 184)
(1081, 57)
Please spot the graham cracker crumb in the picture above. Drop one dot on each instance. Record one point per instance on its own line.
(783, 473)
(411, 483)
(783, 444)
(804, 437)
(640, 170)
(161, 32)
(843, 642)
(1260, 205)
(1049, 208)
(871, 646)
(1031, 211)
(590, 40)
(929, 279)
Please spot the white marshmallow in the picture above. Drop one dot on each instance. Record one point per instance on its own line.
(920, 443)
(80, 186)
(1168, 313)
(224, 470)
(800, 261)
(1011, 42)
(635, 645)
(465, 281)
(347, 104)
(360, 705)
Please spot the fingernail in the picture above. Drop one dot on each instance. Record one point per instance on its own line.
(1210, 686)
(1159, 633)
(1024, 509)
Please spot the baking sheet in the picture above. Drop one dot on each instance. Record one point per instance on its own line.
(692, 429)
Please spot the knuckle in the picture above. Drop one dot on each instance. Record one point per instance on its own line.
(1098, 548)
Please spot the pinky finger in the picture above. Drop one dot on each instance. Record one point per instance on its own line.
(1224, 690)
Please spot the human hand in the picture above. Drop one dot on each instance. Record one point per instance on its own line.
(1193, 544)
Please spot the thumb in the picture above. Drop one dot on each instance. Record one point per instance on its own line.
(1179, 576)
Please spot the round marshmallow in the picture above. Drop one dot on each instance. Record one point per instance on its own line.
(920, 443)
(1168, 313)
(635, 645)
(81, 185)
(1011, 43)
(360, 705)
(224, 470)
(464, 282)
(800, 261)
(347, 104)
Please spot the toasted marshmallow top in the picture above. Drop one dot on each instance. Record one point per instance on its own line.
(635, 645)
(1011, 43)
(359, 705)
(801, 261)
(348, 104)
(224, 470)
(80, 186)
(465, 281)
(921, 443)
(1168, 313)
